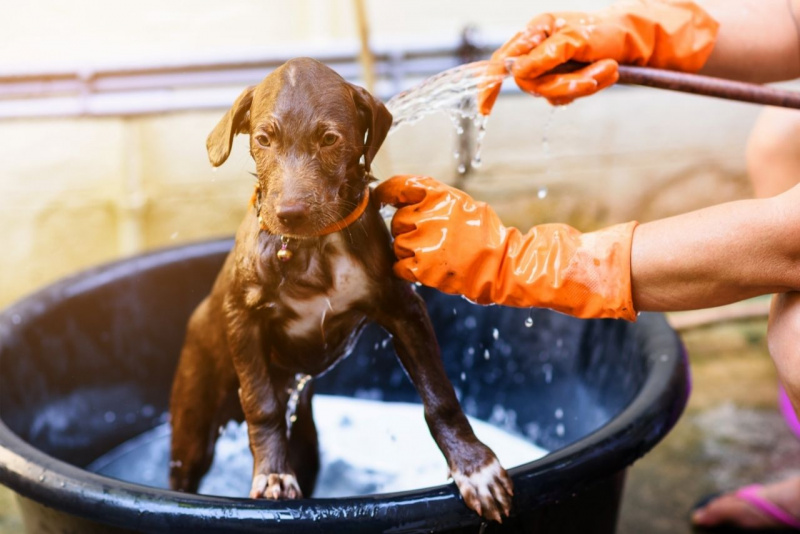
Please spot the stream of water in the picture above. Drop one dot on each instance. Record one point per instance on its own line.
(453, 92)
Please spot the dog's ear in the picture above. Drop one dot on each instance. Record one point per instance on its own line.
(375, 121)
(236, 120)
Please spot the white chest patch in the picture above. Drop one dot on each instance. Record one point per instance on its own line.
(350, 284)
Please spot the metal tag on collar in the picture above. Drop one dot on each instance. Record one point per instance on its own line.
(284, 254)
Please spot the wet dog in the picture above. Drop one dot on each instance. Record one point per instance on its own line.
(311, 264)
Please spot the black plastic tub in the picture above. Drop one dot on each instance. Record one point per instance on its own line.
(598, 394)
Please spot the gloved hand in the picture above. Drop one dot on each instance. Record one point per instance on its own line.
(446, 240)
(666, 34)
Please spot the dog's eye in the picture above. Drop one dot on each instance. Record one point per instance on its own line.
(329, 139)
(262, 139)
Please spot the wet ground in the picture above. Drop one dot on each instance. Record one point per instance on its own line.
(730, 435)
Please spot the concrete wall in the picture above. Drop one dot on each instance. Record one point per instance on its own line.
(75, 192)
(52, 32)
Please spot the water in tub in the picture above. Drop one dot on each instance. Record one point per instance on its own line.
(366, 447)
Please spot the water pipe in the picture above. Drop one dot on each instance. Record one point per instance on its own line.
(699, 84)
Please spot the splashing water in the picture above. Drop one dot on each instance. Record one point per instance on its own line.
(454, 92)
(301, 381)
(445, 92)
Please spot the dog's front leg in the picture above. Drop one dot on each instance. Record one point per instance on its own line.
(263, 399)
(481, 480)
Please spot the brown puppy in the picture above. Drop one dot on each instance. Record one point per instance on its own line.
(294, 294)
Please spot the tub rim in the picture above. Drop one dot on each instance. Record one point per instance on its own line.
(35, 475)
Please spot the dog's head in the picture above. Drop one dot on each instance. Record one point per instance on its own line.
(309, 129)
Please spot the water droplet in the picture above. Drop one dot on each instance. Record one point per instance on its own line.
(460, 130)
(529, 322)
(470, 322)
(542, 193)
(547, 369)
(560, 430)
(385, 342)
(110, 417)
(486, 354)
(455, 311)
(559, 413)
(463, 377)
(462, 168)
(495, 334)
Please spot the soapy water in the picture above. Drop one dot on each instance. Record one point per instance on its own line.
(366, 447)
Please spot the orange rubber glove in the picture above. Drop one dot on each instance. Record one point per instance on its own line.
(666, 34)
(446, 240)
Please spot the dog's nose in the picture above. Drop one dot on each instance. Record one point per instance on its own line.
(292, 214)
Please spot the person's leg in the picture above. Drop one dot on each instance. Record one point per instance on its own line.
(784, 342)
(773, 152)
(731, 508)
(773, 164)
(773, 160)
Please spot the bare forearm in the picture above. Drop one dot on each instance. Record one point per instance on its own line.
(758, 40)
(718, 255)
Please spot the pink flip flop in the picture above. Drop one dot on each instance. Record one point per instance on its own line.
(750, 494)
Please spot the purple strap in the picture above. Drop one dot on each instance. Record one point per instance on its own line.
(750, 494)
(787, 411)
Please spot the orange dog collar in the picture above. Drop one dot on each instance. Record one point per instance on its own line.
(350, 219)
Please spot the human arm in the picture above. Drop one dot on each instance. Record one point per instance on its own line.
(750, 40)
(758, 40)
(704, 258)
(717, 255)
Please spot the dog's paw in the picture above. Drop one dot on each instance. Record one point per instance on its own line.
(487, 490)
(275, 486)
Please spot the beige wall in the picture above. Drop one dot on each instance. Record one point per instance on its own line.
(48, 32)
(75, 192)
